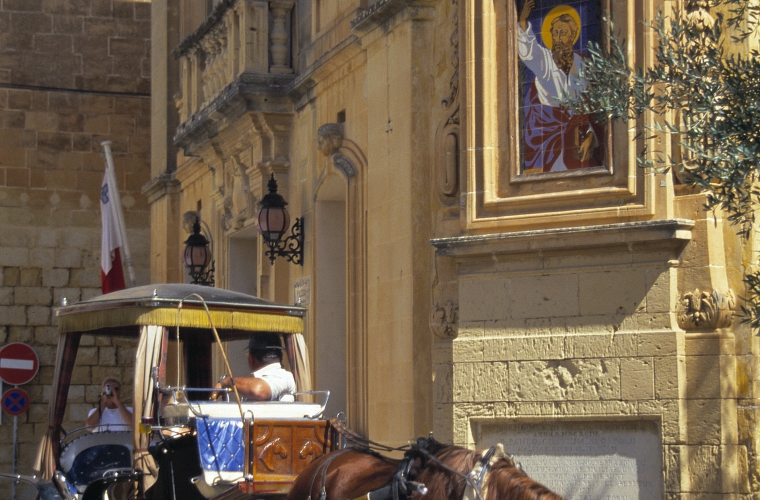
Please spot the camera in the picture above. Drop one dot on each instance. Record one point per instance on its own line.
(108, 390)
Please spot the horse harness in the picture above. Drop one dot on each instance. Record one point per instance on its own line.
(401, 485)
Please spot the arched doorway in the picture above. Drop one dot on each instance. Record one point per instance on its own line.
(330, 292)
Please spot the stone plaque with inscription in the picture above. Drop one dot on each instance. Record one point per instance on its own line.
(611, 460)
(302, 292)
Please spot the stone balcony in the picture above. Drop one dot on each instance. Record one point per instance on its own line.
(240, 54)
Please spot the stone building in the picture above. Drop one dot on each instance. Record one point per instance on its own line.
(72, 74)
(459, 277)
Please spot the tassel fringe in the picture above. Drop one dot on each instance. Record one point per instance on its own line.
(189, 318)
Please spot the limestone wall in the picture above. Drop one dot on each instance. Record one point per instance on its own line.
(592, 337)
(473, 300)
(72, 74)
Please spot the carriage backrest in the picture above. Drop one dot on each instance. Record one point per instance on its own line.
(286, 437)
(90, 455)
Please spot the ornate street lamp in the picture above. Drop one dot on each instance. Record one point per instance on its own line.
(274, 222)
(197, 257)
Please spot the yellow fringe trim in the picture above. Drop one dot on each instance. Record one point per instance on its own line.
(191, 318)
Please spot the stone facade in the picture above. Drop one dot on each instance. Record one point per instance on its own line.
(72, 74)
(461, 294)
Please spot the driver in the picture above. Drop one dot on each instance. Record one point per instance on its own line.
(269, 381)
(111, 414)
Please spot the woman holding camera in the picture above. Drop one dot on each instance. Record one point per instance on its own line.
(111, 414)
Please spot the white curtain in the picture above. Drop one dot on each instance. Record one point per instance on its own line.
(150, 351)
(303, 382)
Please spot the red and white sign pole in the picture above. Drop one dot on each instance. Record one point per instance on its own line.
(18, 365)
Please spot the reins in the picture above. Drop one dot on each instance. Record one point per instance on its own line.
(363, 443)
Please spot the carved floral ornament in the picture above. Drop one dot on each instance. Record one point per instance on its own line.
(444, 320)
(705, 310)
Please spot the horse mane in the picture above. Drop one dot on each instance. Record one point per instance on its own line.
(506, 481)
(441, 483)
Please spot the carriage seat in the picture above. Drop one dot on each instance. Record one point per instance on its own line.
(181, 413)
(90, 456)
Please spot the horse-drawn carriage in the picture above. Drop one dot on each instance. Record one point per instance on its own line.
(184, 446)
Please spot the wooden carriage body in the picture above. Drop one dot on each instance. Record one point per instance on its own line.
(260, 453)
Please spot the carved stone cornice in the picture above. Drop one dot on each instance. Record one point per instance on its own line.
(160, 186)
(249, 92)
(702, 310)
(674, 233)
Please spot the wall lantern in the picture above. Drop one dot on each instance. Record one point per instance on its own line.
(274, 222)
(197, 257)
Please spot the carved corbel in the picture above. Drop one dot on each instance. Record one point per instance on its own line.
(329, 138)
(705, 310)
(444, 320)
(240, 205)
(329, 142)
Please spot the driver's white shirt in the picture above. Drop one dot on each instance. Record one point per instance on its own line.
(111, 420)
(281, 381)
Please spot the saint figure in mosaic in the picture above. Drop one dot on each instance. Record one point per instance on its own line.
(554, 138)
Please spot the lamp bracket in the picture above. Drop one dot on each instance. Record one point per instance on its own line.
(291, 247)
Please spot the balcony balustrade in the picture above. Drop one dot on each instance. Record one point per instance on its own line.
(238, 38)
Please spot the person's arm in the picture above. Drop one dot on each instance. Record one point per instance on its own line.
(532, 54)
(125, 413)
(94, 417)
(527, 8)
(252, 388)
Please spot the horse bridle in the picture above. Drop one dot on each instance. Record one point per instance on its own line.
(476, 477)
(401, 486)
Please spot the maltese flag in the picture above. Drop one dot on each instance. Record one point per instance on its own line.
(111, 272)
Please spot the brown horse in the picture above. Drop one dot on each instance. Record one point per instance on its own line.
(352, 473)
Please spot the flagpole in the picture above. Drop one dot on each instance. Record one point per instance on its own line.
(114, 193)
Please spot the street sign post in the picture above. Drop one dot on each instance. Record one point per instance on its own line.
(18, 363)
(15, 402)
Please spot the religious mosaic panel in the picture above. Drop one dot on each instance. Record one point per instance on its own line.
(552, 43)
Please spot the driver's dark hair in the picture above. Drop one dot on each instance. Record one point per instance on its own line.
(267, 355)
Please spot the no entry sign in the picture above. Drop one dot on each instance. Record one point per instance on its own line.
(15, 401)
(18, 363)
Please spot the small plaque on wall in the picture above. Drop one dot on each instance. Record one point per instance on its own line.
(302, 291)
